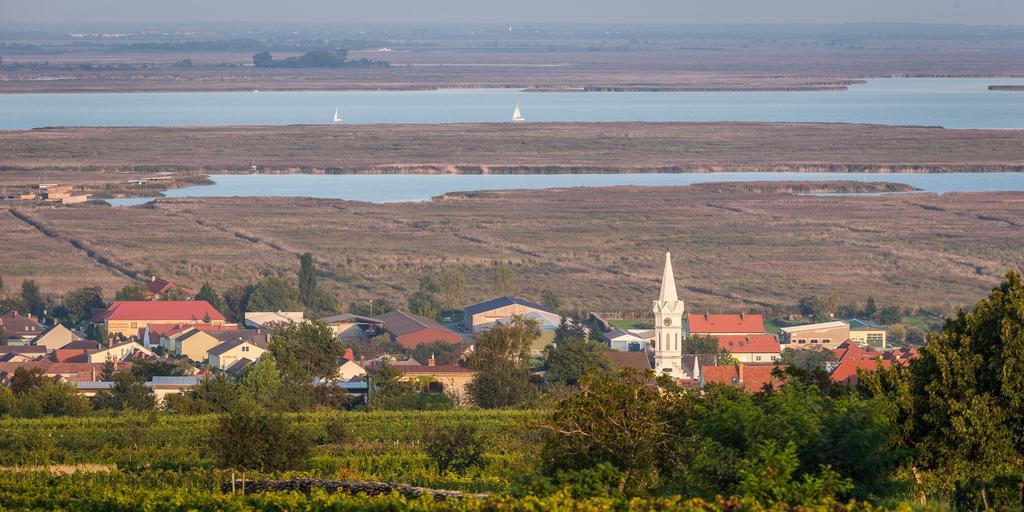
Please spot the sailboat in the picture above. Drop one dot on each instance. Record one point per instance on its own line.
(337, 116)
(517, 116)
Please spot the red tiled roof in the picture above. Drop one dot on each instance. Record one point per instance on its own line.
(71, 372)
(16, 324)
(847, 369)
(749, 343)
(711, 324)
(752, 378)
(196, 310)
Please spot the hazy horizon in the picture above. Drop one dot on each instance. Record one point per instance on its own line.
(956, 12)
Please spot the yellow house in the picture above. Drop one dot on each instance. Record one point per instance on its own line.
(194, 344)
(127, 317)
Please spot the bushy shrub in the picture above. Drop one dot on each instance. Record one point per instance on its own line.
(250, 438)
(455, 449)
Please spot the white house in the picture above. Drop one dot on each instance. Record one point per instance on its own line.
(119, 352)
(227, 353)
(625, 341)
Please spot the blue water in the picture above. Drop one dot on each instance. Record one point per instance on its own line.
(948, 102)
(386, 188)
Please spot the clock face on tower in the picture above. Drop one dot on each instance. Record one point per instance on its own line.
(667, 322)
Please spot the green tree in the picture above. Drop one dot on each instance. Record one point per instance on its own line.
(700, 344)
(174, 294)
(965, 416)
(273, 294)
(768, 477)
(127, 393)
(32, 297)
(504, 279)
(808, 359)
(614, 419)
(916, 337)
(262, 382)
(80, 303)
(144, 370)
(455, 449)
(308, 293)
(814, 307)
(252, 438)
(236, 302)
(502, 361)
(896, 333)
(131, 292)
(451, 289)
(423, 304)
(572, 358)
(550, 300)
(890, 315)
(306, 350)
(208, 293)
(213, 395)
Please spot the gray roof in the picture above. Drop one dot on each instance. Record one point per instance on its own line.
(501, 302)
(227, 345)
(239, 366)
(349, 317)
(175, 381)
(94, 385)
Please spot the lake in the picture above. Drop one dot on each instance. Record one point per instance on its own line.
(385, 188)
(948, 102)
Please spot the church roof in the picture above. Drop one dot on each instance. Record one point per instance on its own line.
(668, 282)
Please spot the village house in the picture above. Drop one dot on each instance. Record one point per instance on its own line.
(750, 377)
(194, 344)
(625, 341)
(846, 371)
(751, 348)
(160, 386)
(156, 288)
(410, 331)
(433, 378)
(125, 318)
(18, 328)
(348, 369)
(21, 353)
(828, 334)
(351, 327)
(694, 363)
(55, 337)
(867, 334)
(484, 315)
(66, 372)
(724, 324)
(76, 351)
(258, 319)
(635, 360)
(124, 351)
(224, 355)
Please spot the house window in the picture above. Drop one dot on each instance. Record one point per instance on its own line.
(245, 348)
(757, 358)
(826, 340)
(134, 325)
(814, 341)
(801, 342)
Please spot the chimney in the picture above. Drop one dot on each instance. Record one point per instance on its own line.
(431, 361)
(739, 371)
(742, 315)
(705, 315)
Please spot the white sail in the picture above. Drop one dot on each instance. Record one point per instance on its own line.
(337, 116)
(516, 114)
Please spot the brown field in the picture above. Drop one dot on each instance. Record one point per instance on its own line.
(506, 147)
(690, 65)
(600, 249)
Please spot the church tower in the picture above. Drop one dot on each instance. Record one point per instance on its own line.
(668, 326)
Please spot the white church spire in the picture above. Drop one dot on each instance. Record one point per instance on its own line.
(668, 282)
(668, 326)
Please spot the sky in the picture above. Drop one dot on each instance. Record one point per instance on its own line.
(973, 12)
